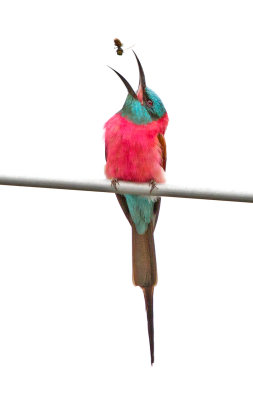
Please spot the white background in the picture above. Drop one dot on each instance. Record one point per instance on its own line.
(72, 325)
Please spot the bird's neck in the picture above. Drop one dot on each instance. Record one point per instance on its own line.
(134, 111)
(119, 123)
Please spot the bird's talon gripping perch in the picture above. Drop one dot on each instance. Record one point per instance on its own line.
(152, 183)
(115, 184)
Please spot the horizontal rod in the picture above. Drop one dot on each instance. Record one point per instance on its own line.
(130, 188)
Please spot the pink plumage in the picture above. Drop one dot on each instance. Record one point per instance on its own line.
(133, 152)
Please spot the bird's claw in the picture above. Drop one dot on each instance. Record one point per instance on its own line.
(115, 183)
(152, 183)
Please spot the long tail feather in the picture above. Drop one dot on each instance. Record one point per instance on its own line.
(144, 259)
(145, 274)
(148, 296)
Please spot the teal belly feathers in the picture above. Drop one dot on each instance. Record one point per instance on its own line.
(141, 210)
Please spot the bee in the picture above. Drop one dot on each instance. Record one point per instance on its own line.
(119, 45)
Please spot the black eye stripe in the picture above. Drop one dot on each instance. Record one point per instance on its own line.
(149, 102)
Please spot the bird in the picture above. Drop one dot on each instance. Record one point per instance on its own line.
(135, 151)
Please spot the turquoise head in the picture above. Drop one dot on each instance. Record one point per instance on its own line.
(144, 106)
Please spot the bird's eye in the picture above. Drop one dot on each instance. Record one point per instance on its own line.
(149, 103)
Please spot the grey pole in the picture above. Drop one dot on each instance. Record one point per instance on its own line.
(166, 190)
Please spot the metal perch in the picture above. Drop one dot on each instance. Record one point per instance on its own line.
(165, 190)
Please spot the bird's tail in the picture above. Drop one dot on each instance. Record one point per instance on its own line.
(145, 274)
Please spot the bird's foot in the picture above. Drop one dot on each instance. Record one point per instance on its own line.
(152, 184)
(115, 184)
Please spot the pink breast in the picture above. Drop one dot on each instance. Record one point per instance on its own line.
(133, 151)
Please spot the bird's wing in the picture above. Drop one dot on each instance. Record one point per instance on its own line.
(157, 204)
(123, 205)
(162, 143)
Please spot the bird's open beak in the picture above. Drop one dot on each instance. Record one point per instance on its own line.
(142, 82)
(126, 83)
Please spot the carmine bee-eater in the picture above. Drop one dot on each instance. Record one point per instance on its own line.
(135, 151)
